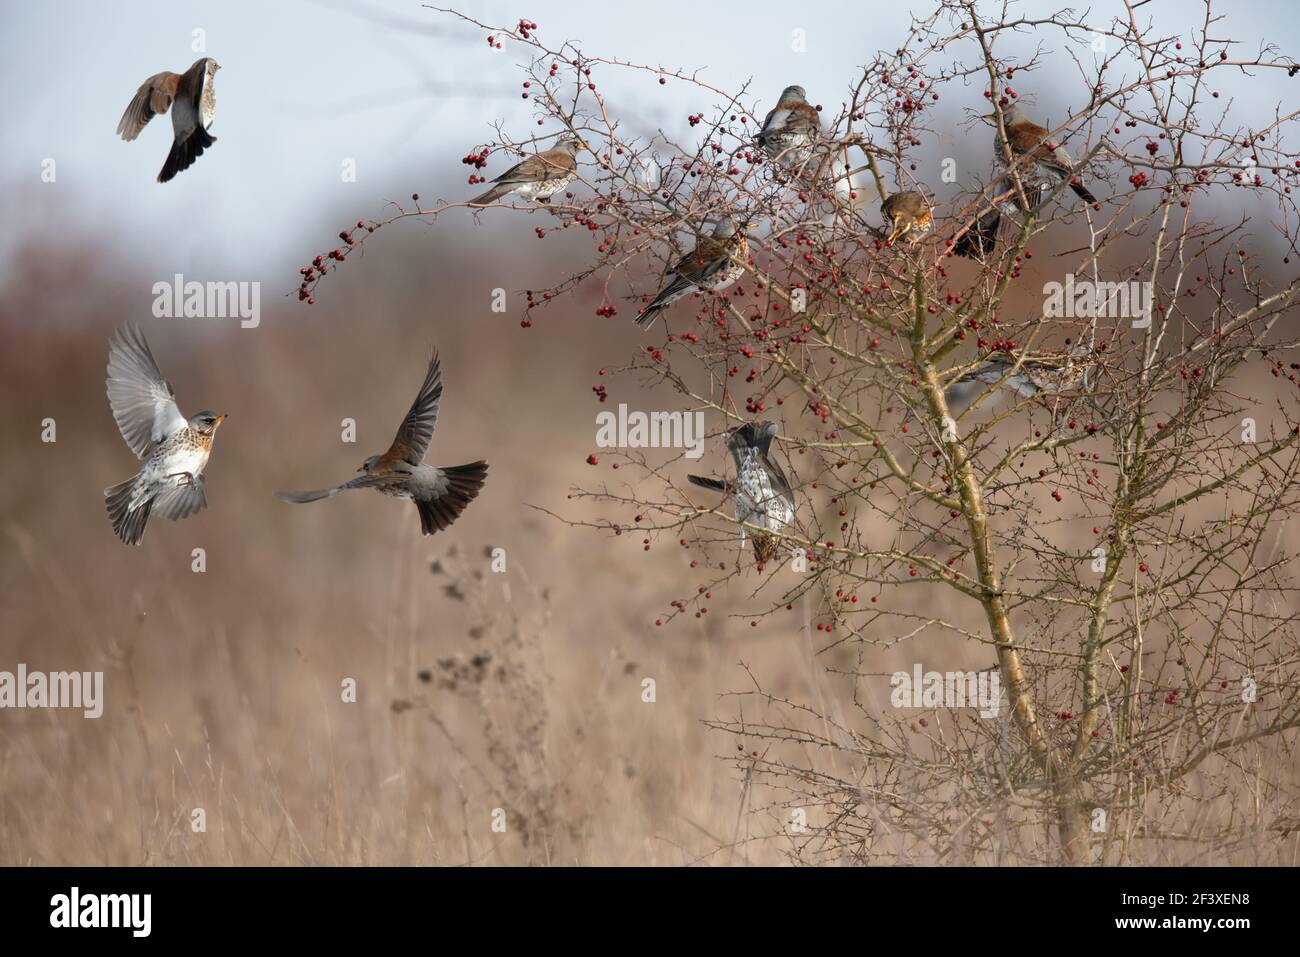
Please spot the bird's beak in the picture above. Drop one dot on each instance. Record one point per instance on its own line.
(220, 419)
(751, 225)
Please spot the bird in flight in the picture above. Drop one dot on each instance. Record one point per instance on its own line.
(539, 177)
(716, 262)
(193, 99)
(791, 129)
(174, 449)
(762, 493)
(440, 494)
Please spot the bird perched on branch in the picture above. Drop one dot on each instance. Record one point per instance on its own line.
(539, 177)
(791, 128)
(716, 262)
(1050, 162)
(1041, 166)
(439, 494)
(195, 103)
(907, 212)
(1027, 376)
(762, 493)
(174, 449)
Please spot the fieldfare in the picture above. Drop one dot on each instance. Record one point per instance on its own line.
(908, 213)
(762, 493)
(174, 450)
(1050, 164)
(791, 128)
(539, 177)
(439, 494)
(716, 262)
(1027, 376)
(196, 102)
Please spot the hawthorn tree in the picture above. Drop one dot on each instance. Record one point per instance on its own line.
(1111, 542)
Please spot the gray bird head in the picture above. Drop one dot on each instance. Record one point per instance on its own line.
(794, 93)
(731, 224)
(369, 464)
(570, 144)
(210, 66)
(1011, 114)
(205, 423)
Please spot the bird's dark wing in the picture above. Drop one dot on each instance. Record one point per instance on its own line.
(413, 437)
(299, 498)
(780, 483)
(708, 256)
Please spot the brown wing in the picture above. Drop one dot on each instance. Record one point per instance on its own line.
(804, 118)
(542, 166)
(154, 97)
(707, 257)
(1032, 139)
(413, 437)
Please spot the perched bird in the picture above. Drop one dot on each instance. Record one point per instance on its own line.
(439, 494)
(539, 177)
(1050, 164)
(762, 493)
(195, 104)
(715, 263)
(174, 450)
(908, 213)
(1027, 376)
(791, 128)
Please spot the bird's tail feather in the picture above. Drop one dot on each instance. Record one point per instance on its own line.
(185, 152)
(492, 195)
(977, 242)
(666, 297)
(128, 522)
(712, 484)
(1082, 192)
(463, 485)
(648, 315)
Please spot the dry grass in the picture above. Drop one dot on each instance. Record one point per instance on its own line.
(477, 691)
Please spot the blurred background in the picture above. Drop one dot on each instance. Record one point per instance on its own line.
(475, 690)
